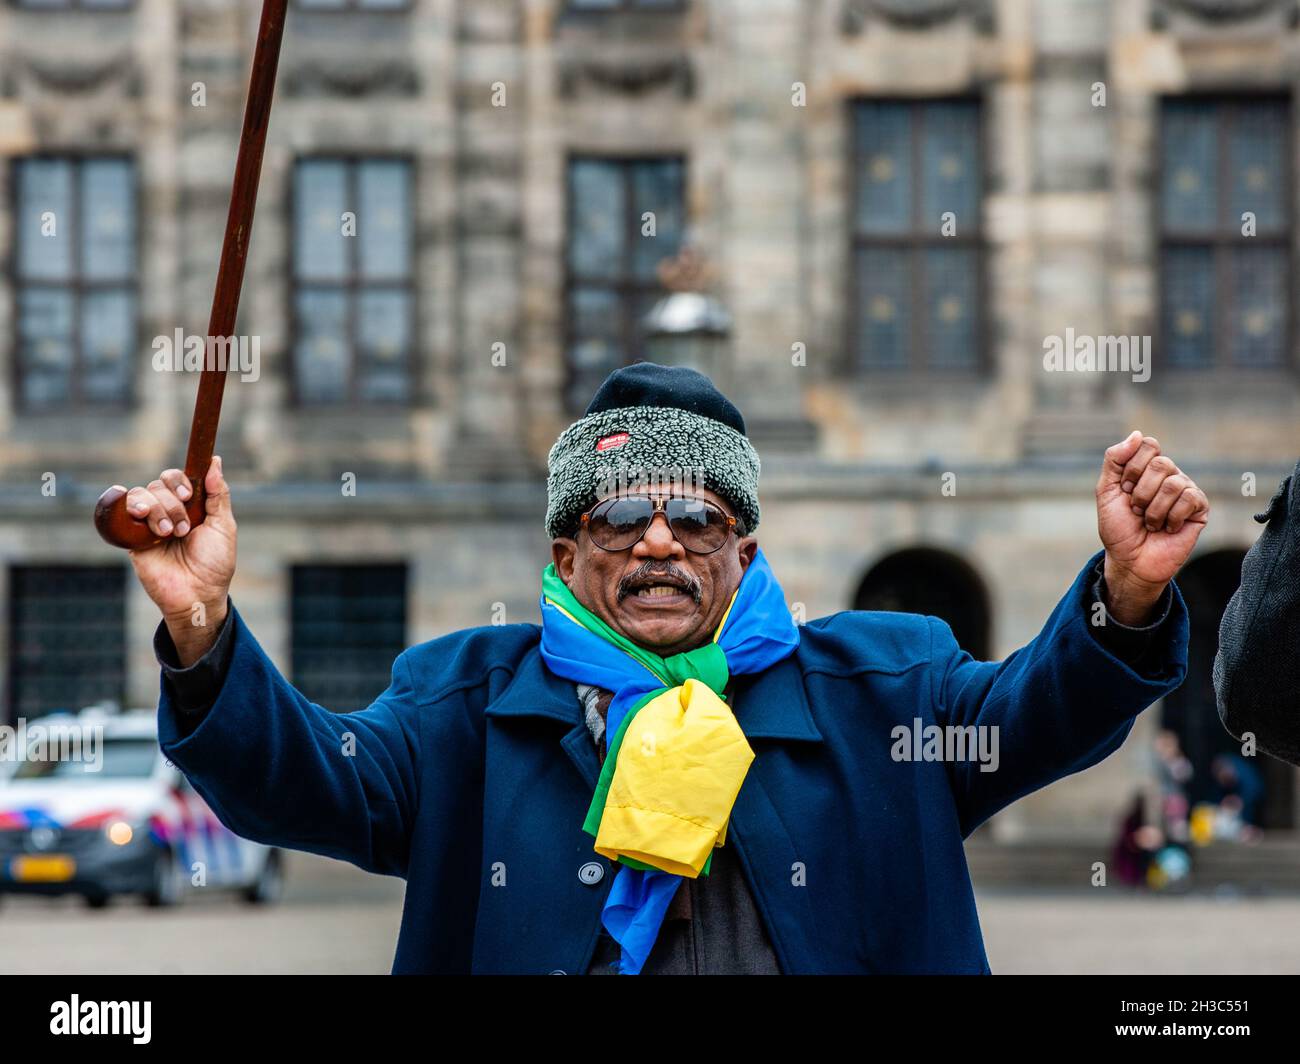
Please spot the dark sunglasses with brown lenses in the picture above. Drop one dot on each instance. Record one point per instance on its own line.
(619, 523)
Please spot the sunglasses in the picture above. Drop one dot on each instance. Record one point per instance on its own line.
(617, 524)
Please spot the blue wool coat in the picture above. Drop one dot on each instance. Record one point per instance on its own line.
(471, 775)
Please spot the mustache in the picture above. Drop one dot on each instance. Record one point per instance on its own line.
(690, 584)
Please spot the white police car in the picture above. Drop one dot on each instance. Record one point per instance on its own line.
(89, 806)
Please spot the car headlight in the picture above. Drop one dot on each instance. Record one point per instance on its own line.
(119, 832)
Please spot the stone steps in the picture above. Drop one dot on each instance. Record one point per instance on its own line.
(1272, 864)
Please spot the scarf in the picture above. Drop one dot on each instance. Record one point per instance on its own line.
(676, 757)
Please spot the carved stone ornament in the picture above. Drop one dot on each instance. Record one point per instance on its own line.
(352, 76)
(628, 75)
(1221, 11)
(79, 75)
(915, 14)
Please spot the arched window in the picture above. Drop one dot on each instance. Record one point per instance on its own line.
(933, 582)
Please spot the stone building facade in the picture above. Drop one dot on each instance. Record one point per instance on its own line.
(899, 201)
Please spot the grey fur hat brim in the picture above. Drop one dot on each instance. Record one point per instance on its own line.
(627, 445)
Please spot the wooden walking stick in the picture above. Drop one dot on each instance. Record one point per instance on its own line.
(112, 520)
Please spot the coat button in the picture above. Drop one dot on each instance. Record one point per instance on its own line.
(591, 873)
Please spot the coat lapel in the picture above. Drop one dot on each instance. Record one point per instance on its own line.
(537, 692)
(772, 708)
(541, 912)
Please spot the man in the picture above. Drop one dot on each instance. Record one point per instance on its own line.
(669, 775)
(1257, 668)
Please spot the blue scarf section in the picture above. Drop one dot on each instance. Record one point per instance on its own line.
(756, 633)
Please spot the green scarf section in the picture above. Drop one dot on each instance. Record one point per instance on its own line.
(707, 664)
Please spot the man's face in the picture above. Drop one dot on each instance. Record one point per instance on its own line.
(614, 585)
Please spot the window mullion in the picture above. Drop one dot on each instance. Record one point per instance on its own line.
(1225, 356)
(351, 280)
(625, 288)
(76, 393)
(918, 357)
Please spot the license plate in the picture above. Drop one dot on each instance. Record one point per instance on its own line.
(47, 868)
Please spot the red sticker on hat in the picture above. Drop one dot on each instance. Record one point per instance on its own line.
(608, 443)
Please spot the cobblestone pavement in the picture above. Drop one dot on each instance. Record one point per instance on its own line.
(337, 919)
(333, 918)
(1120, 933)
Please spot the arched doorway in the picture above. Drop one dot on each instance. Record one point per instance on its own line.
(1207, 583)
(933, 582)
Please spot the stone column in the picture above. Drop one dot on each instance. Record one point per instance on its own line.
(766, 214)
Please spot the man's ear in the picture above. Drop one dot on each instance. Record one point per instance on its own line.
(564, 552)
(745, 549)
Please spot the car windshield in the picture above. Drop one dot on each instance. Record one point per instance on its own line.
(86, 757)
